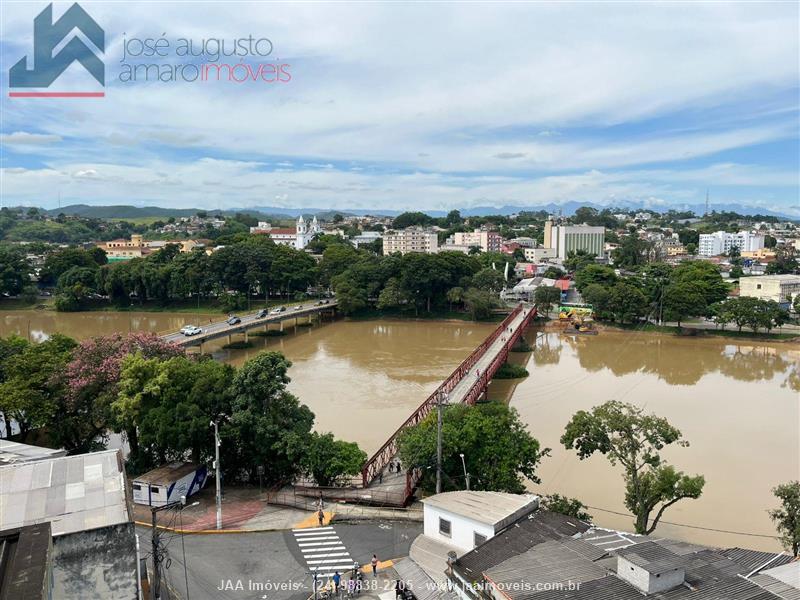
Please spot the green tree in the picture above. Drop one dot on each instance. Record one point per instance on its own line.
(590, 274)
(328, 460)
(572, 507)
(488, 279)
(499, 452)
(796, 304)
(785, 262)
(170, 403)
(267, 426)
(552, 272)
(632, 252)
(682, 300)
(32, 384)
(600, 299)
(787, 517)
(545, 296)
(409, 219)
(480, 303)
(455, 295)
(627, 302)
(578, 260)
(393, 295)
(632, 439)
(15, 270)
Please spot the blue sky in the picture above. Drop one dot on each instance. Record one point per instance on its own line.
(437, 106)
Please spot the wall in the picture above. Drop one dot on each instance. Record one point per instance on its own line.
(461, 530)
(99, 564)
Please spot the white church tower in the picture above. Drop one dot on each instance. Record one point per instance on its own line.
(301, 225)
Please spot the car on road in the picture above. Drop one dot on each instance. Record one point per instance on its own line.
(277, 311)
(298, 307)
(326, 302)
(191, 330)
(262, 313)
(233, 320)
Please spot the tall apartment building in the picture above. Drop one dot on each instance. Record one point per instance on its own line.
(571, 238)
(721, 242)
(412, 239)
(487, 241)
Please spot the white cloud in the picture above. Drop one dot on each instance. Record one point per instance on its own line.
(23, 138)
(522, 92)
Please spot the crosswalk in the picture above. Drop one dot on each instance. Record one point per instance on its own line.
(323, 551)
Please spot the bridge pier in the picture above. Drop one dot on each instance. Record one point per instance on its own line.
(245, 336)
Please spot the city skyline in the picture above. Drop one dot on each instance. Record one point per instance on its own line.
(425, 107)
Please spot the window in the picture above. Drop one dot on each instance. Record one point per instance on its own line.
(137, 487)
(478, 539)
(444, 527)
(154, 489)
(758, 286)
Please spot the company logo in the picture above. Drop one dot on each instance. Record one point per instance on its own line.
(48, 65)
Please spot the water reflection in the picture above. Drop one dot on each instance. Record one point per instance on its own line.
(677, 361)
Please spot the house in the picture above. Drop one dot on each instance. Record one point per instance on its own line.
(780, 288)
(466, 519)
(457, 522)
(168, 483)
(548, 556)
(85, 500)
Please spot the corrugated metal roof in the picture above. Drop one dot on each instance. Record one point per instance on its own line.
(420, 583)
(491, 508)
(14, 452)
(777, 587)
(73, 493)
(168, 473)
(755, 560)
(534, 529)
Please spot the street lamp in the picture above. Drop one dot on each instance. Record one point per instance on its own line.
(217, 472)
(466, 475)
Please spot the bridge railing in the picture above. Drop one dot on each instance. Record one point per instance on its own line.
(388, 451)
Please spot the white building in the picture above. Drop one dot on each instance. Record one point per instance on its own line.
(539, 254)
(366, 237)
(297, 237)
(721, 242)
(780, 288)
(487, 241)
(572, 238)
(466, 519)
(411, 239)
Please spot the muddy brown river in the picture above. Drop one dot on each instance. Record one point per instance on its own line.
(737, 402)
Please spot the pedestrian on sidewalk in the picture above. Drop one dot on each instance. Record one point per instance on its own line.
(391, 467)
(351, 587)
(398, 467)
(374, 563)
(321, 517)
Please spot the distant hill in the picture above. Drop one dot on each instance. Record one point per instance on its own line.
(275, 212)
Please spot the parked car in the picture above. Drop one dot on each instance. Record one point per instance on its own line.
(233, 320)
(191, 330)
(262, 313)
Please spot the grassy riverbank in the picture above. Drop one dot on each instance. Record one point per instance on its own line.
(689, 331)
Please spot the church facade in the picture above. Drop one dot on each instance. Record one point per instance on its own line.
(297, 237)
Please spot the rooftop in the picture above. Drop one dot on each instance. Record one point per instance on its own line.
(168, 473)
(73, 493)
(491, 508)
(14, 452)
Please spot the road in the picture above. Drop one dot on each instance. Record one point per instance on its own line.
(268, 565)
(220, 328)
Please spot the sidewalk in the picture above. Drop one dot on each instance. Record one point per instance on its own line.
(246, 510)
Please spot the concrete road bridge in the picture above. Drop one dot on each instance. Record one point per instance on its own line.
(221, 329)
(466, 384)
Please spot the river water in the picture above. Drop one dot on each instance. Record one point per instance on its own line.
(737, 402)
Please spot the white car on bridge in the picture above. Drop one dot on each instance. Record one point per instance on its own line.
(191, 330)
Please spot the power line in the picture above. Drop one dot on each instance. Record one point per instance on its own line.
(622, 514)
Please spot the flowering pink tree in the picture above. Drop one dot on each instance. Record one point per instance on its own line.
(92, 378)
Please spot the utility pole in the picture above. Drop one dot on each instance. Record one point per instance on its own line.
(155, 590)
(217, 472)
(439, 399)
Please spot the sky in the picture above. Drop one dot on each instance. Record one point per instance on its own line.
(401, 106)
